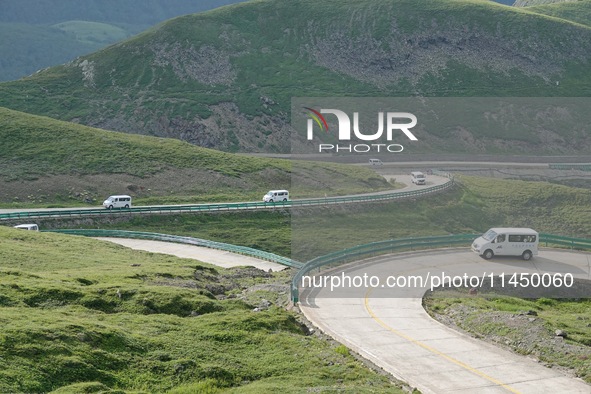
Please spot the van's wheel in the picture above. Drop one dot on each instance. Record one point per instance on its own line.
(110, 207)
(488, 254)
(285, 199)
(126, 206)
(527, 255)
(271, 200)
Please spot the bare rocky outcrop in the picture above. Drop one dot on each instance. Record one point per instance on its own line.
(399, 55)
(206, 64)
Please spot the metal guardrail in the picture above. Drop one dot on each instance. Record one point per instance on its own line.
(570, 166)
(561, 240)
(184, 240)
(195, 208)
(395, 245)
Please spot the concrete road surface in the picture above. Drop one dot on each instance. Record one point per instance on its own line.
(212, 256)
(391, 328)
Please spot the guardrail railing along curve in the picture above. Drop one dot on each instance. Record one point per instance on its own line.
(184, 240)
(236, 206)
(393, 245)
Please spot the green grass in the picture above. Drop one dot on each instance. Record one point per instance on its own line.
(41, 145)
(50, 45)
(144, 84)
(472, 207)
(41, 33)
(531, 4)
(122, 320)
(269, 231)
(577, 11)
(568, 315)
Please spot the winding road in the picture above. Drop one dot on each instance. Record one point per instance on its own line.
(217, 257)
(391, 328)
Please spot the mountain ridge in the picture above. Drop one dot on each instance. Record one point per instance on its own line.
(224, 79)
(35, 34)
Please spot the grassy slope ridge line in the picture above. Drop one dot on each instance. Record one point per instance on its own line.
(225, 78)
(53, 147)
(578, 11)
(141, 322)
(533, 3)
(43, 160)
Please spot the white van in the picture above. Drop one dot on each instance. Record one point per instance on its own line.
(122, 201)
(30, 227)
(375, 162)
(276, 195)
(418, 178)
(507, 242)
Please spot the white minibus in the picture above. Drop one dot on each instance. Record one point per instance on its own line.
(418, 178)
(122, 201)
(276, 195)
(375, 162)
(502, 241)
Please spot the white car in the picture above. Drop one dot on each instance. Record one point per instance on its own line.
(123, 201)
(418, 178)
(276, 195)
(502, 241)
(30, 227)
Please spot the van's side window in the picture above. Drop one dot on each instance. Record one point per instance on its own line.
(515, 238)
(501, 238)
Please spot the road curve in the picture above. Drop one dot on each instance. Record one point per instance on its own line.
(217, 257)
(398, 335)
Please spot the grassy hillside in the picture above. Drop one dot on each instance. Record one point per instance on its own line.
(122, 321)
(145, 12)
(44, 161)
(528, 3)
(474, 206)
(578, 11)
(500, 319)
(49, 45)
(225, 78)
